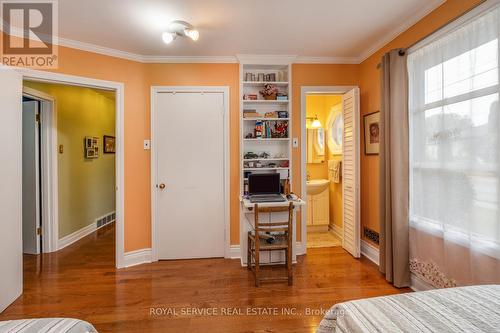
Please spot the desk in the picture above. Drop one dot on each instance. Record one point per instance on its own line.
(247, 221)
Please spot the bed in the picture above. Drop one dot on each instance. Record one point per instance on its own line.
(46, 325)
(462, 309)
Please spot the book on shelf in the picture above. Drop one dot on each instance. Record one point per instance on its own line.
(250, 113)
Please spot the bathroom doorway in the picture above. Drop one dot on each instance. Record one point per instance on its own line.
(330, 167)
(324, 125)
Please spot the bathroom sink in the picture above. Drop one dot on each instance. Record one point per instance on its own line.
(315, 186)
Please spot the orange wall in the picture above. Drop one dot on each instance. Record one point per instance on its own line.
(369, 80)
(138, 78)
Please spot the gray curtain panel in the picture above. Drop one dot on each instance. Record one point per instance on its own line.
(394, 170)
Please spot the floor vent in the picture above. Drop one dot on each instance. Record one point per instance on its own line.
(371, 235)
(103, 220)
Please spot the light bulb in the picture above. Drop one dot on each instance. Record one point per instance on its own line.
(193, 34)
(167, 37)
(316, 123)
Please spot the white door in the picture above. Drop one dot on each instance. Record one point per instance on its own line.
(189, 132)
(11, 238)
(31, 200)
(351, 173)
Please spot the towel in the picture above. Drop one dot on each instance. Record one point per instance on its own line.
(334, 170)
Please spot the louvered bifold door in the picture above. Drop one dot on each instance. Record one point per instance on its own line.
(350, 165)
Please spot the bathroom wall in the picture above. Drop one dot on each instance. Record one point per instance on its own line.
(86, 186)
(324, 106)
(315, 105)
(334, 106)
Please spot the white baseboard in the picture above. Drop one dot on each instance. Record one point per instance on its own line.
(418, 284)
(338, 231)
(370, 251)
(234, 252)
(300, 248)
(137, 257)
(75, 236)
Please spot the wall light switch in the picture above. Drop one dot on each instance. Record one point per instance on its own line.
(61, 149)
(295, 143)
(147, 144)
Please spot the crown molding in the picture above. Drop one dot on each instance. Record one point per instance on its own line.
(265, 59)
(326, 60)
(190, 59)
(409, 22)
(99, 49)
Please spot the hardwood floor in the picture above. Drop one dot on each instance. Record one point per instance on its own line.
(80, 281)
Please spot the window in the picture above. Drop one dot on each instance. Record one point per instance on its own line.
(455, 132)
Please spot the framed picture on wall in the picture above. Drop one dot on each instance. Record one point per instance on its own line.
(372, 133)
(91, 144)
(109, 144)
(90, 153)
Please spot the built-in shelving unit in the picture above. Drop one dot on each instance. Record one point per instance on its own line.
(271, 147)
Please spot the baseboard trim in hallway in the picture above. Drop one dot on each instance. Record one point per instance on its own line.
(75, 236)
(137, 257)
(79, 234)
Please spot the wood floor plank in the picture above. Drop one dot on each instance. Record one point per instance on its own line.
(80, 281)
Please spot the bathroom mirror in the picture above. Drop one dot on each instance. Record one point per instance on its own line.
(315, 145)
(335, 128)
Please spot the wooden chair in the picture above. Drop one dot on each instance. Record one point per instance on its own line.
(257, 242)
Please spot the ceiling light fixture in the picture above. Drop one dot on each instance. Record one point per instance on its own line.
(180, 29)
(168, 37)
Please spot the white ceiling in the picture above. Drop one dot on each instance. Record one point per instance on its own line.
(348, 30)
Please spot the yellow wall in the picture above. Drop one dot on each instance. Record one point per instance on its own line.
(86, 187)
(315, 106)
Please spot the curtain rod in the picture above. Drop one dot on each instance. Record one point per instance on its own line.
(403, 49)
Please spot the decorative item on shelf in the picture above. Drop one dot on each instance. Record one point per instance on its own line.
(109, 144)
(279, 155)
(264, 155)
(270, 114)
(91, 145)
(269, 92)
(250, 155)
(285, 164)
(372, 133)
(282, 114)
(281, 76)
(249, 113)
(249, 77)
(282, 97)
(250, 97)
(280, 129)
(258, 165)
(272, 165)
(249, 136)
(258, 129)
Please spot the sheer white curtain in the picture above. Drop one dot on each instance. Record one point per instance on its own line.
(455, 155)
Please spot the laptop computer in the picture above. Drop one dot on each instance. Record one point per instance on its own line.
(265, 187)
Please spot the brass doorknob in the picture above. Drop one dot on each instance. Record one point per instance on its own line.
(161, 186)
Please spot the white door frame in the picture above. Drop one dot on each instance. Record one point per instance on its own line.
(192, 89)
(48, 156)
(304, 91)
(118, 87)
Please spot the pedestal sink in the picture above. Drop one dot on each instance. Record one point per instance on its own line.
(315, 186)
